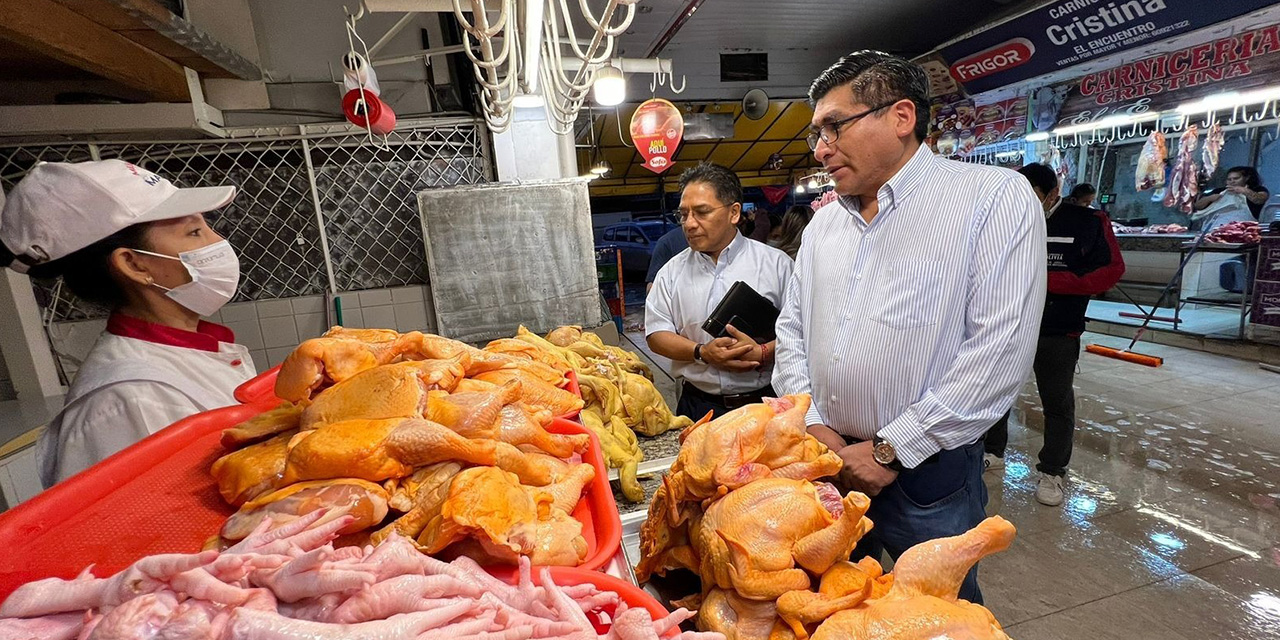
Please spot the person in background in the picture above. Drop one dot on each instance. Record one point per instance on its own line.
(793, 224)
(719, 373)
(1084, 261)
(127, 239)
(1082, 195)
(912, 315)
(666, 248)
(1244, 181)
(763, 225)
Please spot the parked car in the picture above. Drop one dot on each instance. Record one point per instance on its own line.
(636, 239)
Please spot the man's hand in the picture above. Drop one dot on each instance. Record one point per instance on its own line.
(1244, 191)
(826, 435)
(861, 471)
(727, 354)
(756, 354)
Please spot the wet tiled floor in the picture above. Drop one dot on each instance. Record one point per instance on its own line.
(1171, 526)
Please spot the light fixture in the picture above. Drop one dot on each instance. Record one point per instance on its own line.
(813, 184)
(1229, 100)
(528, 101)
(799, 188)
(610, 87)
(1038, 136)
(601, 168)
(533, 10)
(1109, 122)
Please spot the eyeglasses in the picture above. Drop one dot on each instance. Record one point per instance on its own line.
(830, 132)
(700, 215)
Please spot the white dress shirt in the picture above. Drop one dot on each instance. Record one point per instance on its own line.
(688, 288)
(920, 326)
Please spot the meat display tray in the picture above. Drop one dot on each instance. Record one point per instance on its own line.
(262, 389)
(157, 496)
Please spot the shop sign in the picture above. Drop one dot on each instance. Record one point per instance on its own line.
(656, 129)
(1065, 33)
(1164, 81)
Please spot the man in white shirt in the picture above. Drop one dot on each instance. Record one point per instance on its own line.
(719, 373)
(914, 311)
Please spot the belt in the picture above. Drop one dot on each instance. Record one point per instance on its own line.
(731, 401)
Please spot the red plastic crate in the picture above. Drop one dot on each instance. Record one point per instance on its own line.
(158, 497)
(262, 389)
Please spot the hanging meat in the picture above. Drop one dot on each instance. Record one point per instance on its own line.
(1212, 147)
(1183, 187)
(1151, 163)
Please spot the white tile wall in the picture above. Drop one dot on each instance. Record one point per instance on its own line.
(248, 333)
(352, 317)
(277, 355)
(411, 316)
(310, 325)
(375, 297)
(240, 312)
(406, 294)
(381, 317)
(274, 308)
(19, 477)
(279, 331)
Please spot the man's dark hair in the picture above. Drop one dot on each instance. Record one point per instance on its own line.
(727, 186)
(1083, 190)
(876, 77)
(1041, 176)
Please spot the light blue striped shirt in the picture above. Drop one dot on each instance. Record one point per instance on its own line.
(921, 326)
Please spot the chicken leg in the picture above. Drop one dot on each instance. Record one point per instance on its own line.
(423, 442)
(938, 567)
(820, 549)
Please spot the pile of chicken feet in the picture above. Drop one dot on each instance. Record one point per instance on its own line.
(290, 583)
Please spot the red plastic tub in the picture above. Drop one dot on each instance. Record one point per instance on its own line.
(630, 594)
(261, 389)
(158, 497)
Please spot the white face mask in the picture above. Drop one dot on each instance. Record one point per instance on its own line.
(215, 273)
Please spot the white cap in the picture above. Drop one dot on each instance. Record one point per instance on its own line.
(60, 207)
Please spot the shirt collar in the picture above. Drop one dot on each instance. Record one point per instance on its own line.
(906, 180)
(727, 254)
(206, 337)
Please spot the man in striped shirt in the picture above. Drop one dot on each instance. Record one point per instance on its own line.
(914, 308)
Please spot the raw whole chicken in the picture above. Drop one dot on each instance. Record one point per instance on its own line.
(922, 604)
(252, 471)
(1213, 143)
(521, 349)
(481, 361)
(364, 501)
(1150, 174)
(389, 391)
(289, 584)
(1183, 185)
(337, 355)
(534, 391)
(267, 424)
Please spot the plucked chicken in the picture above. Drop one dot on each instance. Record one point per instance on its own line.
(535, 391)
(389, 391)
(252, 471)
(263, 426)
(337, 355)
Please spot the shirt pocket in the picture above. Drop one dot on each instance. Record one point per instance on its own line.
(910, 294)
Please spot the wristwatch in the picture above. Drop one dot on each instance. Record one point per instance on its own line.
(884, 453)
(697, 353)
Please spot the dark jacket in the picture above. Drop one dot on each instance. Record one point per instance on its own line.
(666, 248)
(1084, 261)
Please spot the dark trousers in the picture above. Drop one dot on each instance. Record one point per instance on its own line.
(939, 498)
(1055, 367)
(694, 404)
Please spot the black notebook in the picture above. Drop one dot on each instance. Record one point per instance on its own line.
(748, 312)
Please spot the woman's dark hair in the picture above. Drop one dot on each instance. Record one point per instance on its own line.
(1250, 175)
(793, 224)
(1040, 176)
(1083, 190)
(87, 272)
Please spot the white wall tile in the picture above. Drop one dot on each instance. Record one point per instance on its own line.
(401, 295)
(411, 316)
(383, 317)
(349, 300)
(215, 317)
(308, 304)
(277, 355)
(25, 474)
(239, 312)
(279, 332)
(430, 306)
(375, 297)
(352, 317)
(310, 325)
(274, 308)
(248, 333)
(260, 360)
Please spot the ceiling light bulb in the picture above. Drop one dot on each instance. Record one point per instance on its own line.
(610, 87)
(799, 188)
(813, 183)
(1038, 136)
(601, 168)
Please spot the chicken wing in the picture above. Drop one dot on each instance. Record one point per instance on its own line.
(252, 471)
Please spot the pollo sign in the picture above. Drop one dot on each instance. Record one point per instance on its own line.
(656, 129)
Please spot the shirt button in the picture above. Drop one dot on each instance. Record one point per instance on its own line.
(848, 316)
(833, 398)
(236, 363)
(858, 277)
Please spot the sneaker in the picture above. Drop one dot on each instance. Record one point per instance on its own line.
(992, 462)
(1050, 490)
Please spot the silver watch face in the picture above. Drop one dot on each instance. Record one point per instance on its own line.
(884, 453)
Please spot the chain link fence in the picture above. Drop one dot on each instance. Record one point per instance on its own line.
(367, 233)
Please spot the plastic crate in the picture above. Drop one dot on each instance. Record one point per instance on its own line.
(157, 496)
